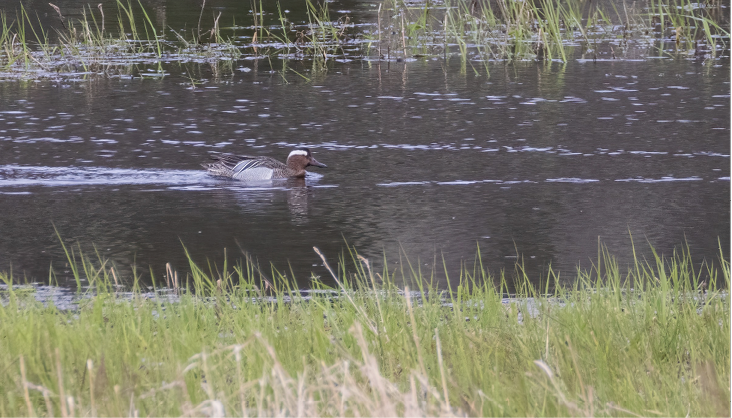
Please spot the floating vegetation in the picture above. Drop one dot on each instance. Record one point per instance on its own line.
(478, 32)
(648, 339)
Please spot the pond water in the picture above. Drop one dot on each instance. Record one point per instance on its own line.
(539, 159)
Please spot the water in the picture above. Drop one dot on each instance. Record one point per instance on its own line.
(540, 160)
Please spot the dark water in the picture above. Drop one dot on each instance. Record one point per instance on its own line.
(539, 159)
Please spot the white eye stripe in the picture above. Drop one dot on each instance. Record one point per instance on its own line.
(298, 152)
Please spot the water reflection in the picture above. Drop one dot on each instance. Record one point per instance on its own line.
(260, 196)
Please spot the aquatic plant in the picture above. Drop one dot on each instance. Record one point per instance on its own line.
(86, 44)
(506, 30)
(651, 338)
(478, 32)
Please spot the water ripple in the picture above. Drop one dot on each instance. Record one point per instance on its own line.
(17, 175)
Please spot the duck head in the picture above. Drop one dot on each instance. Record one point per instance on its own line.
(301, 158)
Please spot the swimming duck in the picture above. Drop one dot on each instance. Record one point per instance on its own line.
(244, 167)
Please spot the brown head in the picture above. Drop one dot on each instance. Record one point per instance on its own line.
(301, 158)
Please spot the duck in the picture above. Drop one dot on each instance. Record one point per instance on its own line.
(246, 167)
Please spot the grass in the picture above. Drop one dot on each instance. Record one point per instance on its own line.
(649, 339)
(478, 32)
(86, 46)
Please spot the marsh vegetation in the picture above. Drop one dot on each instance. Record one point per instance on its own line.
(646, 339)
(124, 40)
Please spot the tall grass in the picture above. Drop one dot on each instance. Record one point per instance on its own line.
(548, 30)
(87, 44)
(648, 339)
(476, 31)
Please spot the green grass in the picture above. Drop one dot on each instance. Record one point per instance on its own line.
(479, 31)
(649, 339)
(86, 45)
(476, 31)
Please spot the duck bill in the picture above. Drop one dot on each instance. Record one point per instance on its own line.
(316, 163)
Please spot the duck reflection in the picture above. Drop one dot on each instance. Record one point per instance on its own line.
(267, 196)
(297, 201)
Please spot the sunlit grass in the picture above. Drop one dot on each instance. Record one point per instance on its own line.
(651, 338)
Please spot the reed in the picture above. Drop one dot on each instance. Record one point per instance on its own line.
(548, 30)
(651, 338)
(85, 43)
(478, 32)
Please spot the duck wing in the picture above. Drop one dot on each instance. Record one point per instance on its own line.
(229, 165)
